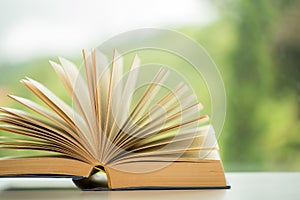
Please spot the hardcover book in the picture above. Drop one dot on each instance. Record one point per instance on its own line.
(116, 133)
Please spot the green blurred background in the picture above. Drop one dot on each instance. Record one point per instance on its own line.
(256, 46)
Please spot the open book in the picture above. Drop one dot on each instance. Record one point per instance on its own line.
(123, 130)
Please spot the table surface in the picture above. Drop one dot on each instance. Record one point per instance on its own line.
(265, 185)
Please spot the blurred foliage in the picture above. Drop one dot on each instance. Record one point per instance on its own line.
(256, 45)
(263, 96)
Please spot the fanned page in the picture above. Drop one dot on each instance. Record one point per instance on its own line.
(114, 119)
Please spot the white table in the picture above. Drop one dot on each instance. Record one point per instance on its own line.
(283, 186)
